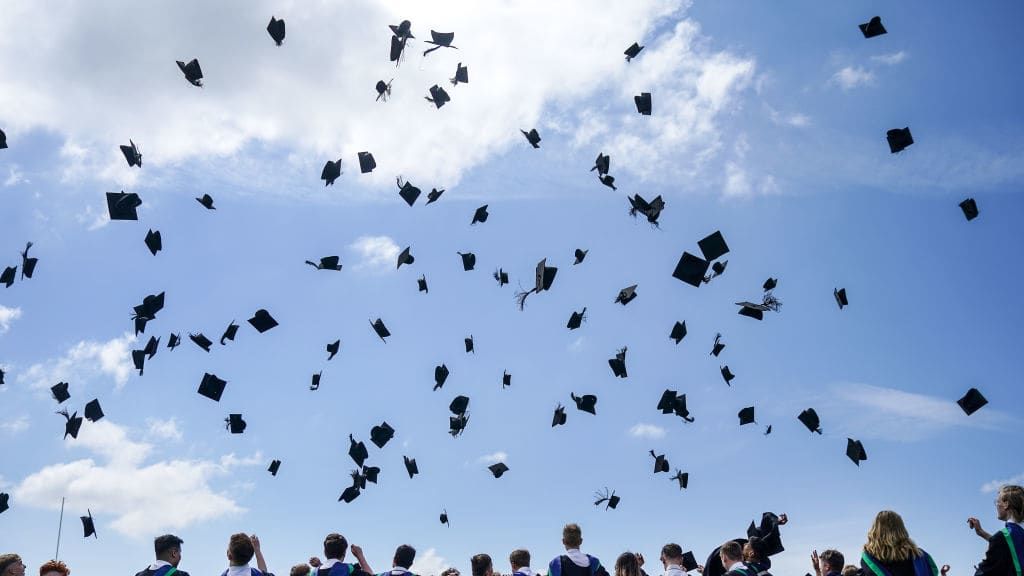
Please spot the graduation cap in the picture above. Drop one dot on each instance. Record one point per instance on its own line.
(212, 387)
(970, 209)
(608, 180)
(559, 418)
(746, 415)
(751, 310)
(357, 451)
(1, 375)
(684, 479)
(501, 277)
(151, 304)
(405, 257)
(262, 321)
(544, 277)
(331, 171)
(632, 51)
(469, 344)
(314, 384)
(433, 195)
(579, 255)
(371, 473)
(498, 469)
(585, 403)
(810, 419)
(407, 191)
(139, 360)
(651, 210)
(643, 103)
(717, 269)
(349, 494)
(727, 375)
(88, 526)
(4, 497)
(7, 278)
(193, 73)
(381, 435)
(229, 333)
(122, 206)
(422, 283)
(457, 424)
(770, 284)
(506, 379)
(206, 201)
(444, 518)
(459, 405)
(765, 538)
(576, 319)
(618, 364)
(468, 261)
(713, 246)
(275, 465)
(678, 332)
(461, 75)
(609, 499)
(151, 347)
(626, 295)
(532, 137)
(173, 341)
(689, 562)
(602, 164)
(131, 154)
(154, 241)
(402, 30)
(398, 47)
(855, 451)
(440, 40)
(3, 140)
(768, 430)
(327, 263)
(440, 375)
(872, 27)
(276, 30)
(72, 424)
(383, 91)
(410, 466)
(201, 341)
(380, 329)
(438, 96)
(673, 402)
(60, 392)
(899, 139)
(480, 215)
(366, 162)
(840, 296)
(972, 401)
(660, 462)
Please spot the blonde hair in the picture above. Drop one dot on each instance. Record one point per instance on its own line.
(1013, 497)
(888, 539)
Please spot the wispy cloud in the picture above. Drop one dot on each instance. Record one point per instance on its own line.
(492, 458)
(376, 253)
(794, 119)
(14, 426)
(84, 361)
(648, 431)
(14, 176)
(164, 429)
(891, 59)
(7, 317)
(850, 77)
(429, 563)
(994, 485)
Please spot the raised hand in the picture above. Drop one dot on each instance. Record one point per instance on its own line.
(314, 562)
(783, 519)
(815, 563)
(945, 569)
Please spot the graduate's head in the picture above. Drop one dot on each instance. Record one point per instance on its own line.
(753, 550)
(627, 564)
(299, 570)
(730, 552)
(404, 556)
(888, 539)
(168, 548)
(11, 565)
(481, 565)
(671, 553)
(831, 561)
(1010, 503)
(335, 546)
(240, 549)
(572, 536)
(54, 568)
(851, 570)
(519, 558)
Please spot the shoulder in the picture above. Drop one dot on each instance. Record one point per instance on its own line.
(181, 573)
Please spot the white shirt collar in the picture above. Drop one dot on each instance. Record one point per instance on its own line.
(239, 570)
(399, 570)
(328, 564)
(525, 570)
(674, 570)
(158, 565)
(729, 568)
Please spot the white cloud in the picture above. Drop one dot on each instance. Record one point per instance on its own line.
(164, 429)
(84, 361)
(994, 485)
(14, 176)
(16, 425)
(376, 252)
(577, 344)
(850, 77)
(93, 218)
(796, 119)
(121, 487)
(493, 458)
(429, 563)
(648, 431)
(7, 317)
(890, 59)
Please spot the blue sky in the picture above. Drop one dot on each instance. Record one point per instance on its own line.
(768, 124)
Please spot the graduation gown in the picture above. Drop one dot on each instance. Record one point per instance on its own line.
(923, 565)
(1004, 547)
(162, 571)
(564, 566)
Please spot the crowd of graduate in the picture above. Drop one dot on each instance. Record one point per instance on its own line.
(889, 551)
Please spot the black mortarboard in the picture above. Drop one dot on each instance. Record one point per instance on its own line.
(275, 465)
(131, 154)
(381, 435)
(154, 241)
(60, 392)
(72, 424)
(683, 478)
(151, 347)
(7, 278)
(349, 494)
(689, 562)
(626, 295)
(4, 497)
(461, 75)
(768, 430)
(327, 263)
(410, 466)
(357, 451)
(276, 30)
(262, 321)
(770, 284)
(651, 210)
(229, 333)
(480, 215)
(608, 498)
(660, 462)
(468, 261)
(405, 257)
(88, 526)
(438, 96)
(506, 379)
(717, 269)
(691, 269)
(440, 40)
(746, 415)
(206, 201)
(422, 283)
(402, 30)
(608, 180)
(501, 277)
(810, 419)
(972, 401)
(212, 387)
(139, 360)
(727, 375)
(366, 162)
(201, 340)
(193, 73)
(618, 364)
(855, 451)
(140, 324)
(579, 255)
(380, 329)
(643, 103)
(678, 332)
(602, 163)
(899, 139)
(457, 424)
(872, 27)
(559, 418)
(331, 171)
(122, 206)
(407, 191)
(713, 246)
(444, 518)
(840, 296)
(459, 405)
(433, 195)
(576, 319)
(151, 304)
(498, 469)
(469, 344)
(332, 349)
(371, 473)
(173, 341)
(585, 403)
(543, 278)
(532, 137)
(765, 537)
(397, 48)
(383, 91)
(970, 209)
(3, 144)
(751, 310)
(440, 375)
(314, 383)
(93, 411)
(1, 375)
(632, 51)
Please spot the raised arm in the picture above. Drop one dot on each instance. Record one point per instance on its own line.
(261, 564)
(975, 525)
(363, 564)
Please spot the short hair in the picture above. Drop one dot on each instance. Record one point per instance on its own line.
(519, 558)
(1013, 497)
(164, 544)
(627, 564)
(731, 550)
(335, 546)
(834, 558)
(54, 566)
(851, 570)
(8, 560)
(672, 550)
(299, 570)
(404, 556)
(572, 536)
(480, 564)
(240, 548)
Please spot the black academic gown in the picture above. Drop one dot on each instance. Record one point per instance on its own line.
(998, 561)
(148, 572)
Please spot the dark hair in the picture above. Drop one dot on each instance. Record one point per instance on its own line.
(834, 558)
(672, 550)
(404, 556)
(240, 548)
(164, 544)
(299, 570)
(731, 550)
(480, 564)
(335, 546)
(627, 564)
(754, 549)
(519, 558)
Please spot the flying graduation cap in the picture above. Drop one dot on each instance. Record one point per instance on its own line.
(660, 462)
(632, 51)
(314, 383)
(410, 466)
(433, 195)
(544, 277)
(899, 139)
(421, 282)
(235, 423)
(972, 401)
(678, 332)
(139, 360)
(151, 347)
(461, 75)
(88, 526)
(173, 341)
(585, 403)
(407, 191)
(380, 329)
(440, 375)
(498, 469)
(810, 419)
(72, 423)
(276, 30)
(28, 265)
(506, 379)
(357, 451)
(207, 201)
(618, 364)
(349, 494)
(480, 215)
(468, 260)
(381, 435)
(327, 263)
(609, 499)
(193, 73)
(212, 387)
(440, 40)
(122, 206)
(331, 172)
(383, 90)
(872, 27)
(855, 451)
(559, 417)
(746, 415)
(201, 340)
(262, 321)
(683, 478)
(4, 497)
(154, 241)
(501, 277)
(405, 257)
(275, 465)
(608, 180)
(576, 319)
(579, 256)
(969, 208)
(444, 518)
(459, 407)
(691, 269)
(532, 137)
(650, 210)
(60, 392)
(840, 296)
(673, 402)
(7, 278)
(643, 103)
(3, 140)
(366, 162)
(229, 333)
(727, 375)
(438, 96)
(602, 164)
(132, 154)
(469, 344)
(626, 295)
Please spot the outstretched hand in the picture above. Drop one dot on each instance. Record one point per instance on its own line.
(255, 543)
(945, 569)
(314, 562)
(815, 563)
(783, 519)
